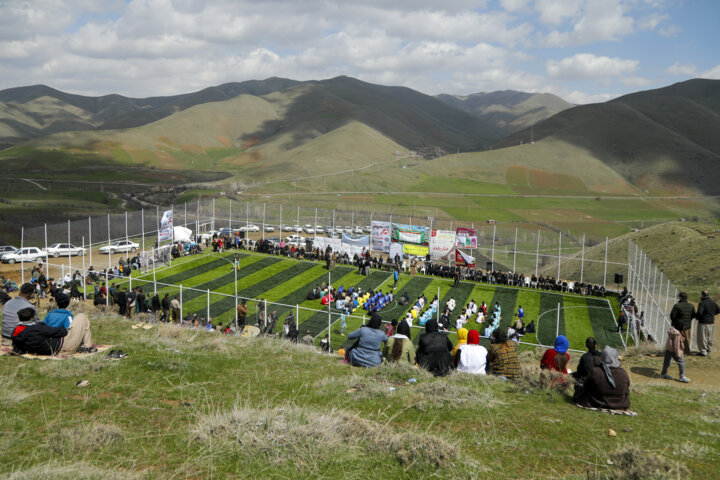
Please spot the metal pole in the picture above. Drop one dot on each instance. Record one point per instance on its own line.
(493, 249)
(181, 306)
(185, 217)
(515, 250)
(281, 222)
(69, 259)
(47, 263)
(263, 227)
(90, 241)
(208, 305)
(236, 299)
(154, 279)
(297, 317)
(537, 254)
(107, 271)
(157, 223)
(230, 217)
(559, 253)
(126, 226)
(582, 260)
(605, 273)
(142, 227)
(83, 269)
(213, 214)
(247, 217)
(22, 262)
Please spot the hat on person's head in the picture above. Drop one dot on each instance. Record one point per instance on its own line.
(682, 296)
(27, 288)
(561, 344)
(473, 337)
(25, 314)
(62, 300)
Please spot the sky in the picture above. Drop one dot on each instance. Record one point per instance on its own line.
(581, 50)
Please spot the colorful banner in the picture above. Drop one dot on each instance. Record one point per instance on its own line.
(166, 226)
(466, 238)
(410, 234)
(464, 260)
(417, 250)
(396, 249)
(442, 243)
(380, 237)
(357, 240)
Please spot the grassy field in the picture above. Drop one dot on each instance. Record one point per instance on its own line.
(192, 404)
(285, 282)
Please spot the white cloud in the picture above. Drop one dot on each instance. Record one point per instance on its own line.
(713, 73)
(679, 69)
(582, 98)
(669, 31)
(601, 20)
(554, 12)
(513, 5)
(589, 66)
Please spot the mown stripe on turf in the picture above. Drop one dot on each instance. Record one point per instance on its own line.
(547, 324)
(226, 283)
(317, 322)
(603, 323)
(578, 326)
(530, 301)
(507, 297)
(195, 270)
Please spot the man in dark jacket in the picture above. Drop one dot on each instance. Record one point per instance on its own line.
(166, 308)
(433, 353)
(155, 303)
(36, 338)
(707, 309)
(681, 317)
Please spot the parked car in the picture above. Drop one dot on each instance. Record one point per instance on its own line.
(287, 228)
(297, 228)
(367, 229)
(269, 228)
(295, 239)
(27, 254)
(348, 230)
(249, 228)
(309, 229)
(358, 230)
(6, 249)
(319, 229)
(120, 246)
(64, 250)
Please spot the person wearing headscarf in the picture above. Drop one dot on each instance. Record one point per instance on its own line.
(462, 335)
(433, 353)
(587, 361)
(471, 357)
(366, 353)
(399, 347)
(502, 356)
(556, 358)
(607, 386)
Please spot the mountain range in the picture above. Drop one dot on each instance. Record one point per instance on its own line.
(661, 141)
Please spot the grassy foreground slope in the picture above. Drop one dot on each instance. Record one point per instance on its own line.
(192, 404)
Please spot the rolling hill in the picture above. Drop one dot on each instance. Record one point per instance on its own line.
(509, 110)
(663, 141)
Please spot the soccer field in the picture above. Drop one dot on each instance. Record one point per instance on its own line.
(208, 285)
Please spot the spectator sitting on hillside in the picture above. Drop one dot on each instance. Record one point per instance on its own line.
(433, 353)
(471, 357)
(36, 338)
(502, 356)
(366, 352)
(608, 386)
(308, 338)
(587, 361)
(11, 309)
(530, 327)
(399, 347)
(555, 360)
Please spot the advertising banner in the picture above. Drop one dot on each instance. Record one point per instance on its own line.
(380, 237)
(466, 238)
(396, 249)
(442, 243)
(464, 260)
(410, 234)
(166, 226)
(355, 244)
(417, 250)
(323, 242)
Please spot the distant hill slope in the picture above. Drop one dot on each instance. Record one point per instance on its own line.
(35, 111)
(508, 110)
(663, 140)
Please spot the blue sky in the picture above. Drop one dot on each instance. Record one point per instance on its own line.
(582, 50)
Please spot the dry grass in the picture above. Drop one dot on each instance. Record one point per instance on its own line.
(76, 367)
(302, 437)
(71, 471)
(83, 439)
(634, 463)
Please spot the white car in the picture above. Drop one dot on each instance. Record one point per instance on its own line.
(367, 229)
(120, 246)
(64, 250)
(319, 229)
(308, 229)
(295, 239)
(358, 230)
(252, 228)
(269, 228)
(348, 230)
(27, 254)
(287, 228)
(297, 228)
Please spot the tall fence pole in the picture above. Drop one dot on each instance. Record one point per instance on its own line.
(492, 259)
(557, 323)
(559, 253)
(263, 224)
(47, 263)
(181, 306)
(22, 262)
(84, 274)
(605, 273)
(69, 257)
(537, 254)
(582, 261)
(515, 251)
(90, 241)
(297, 316)
(208, 306)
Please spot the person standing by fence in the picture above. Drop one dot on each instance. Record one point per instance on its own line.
(681, 317)
(706, 311)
